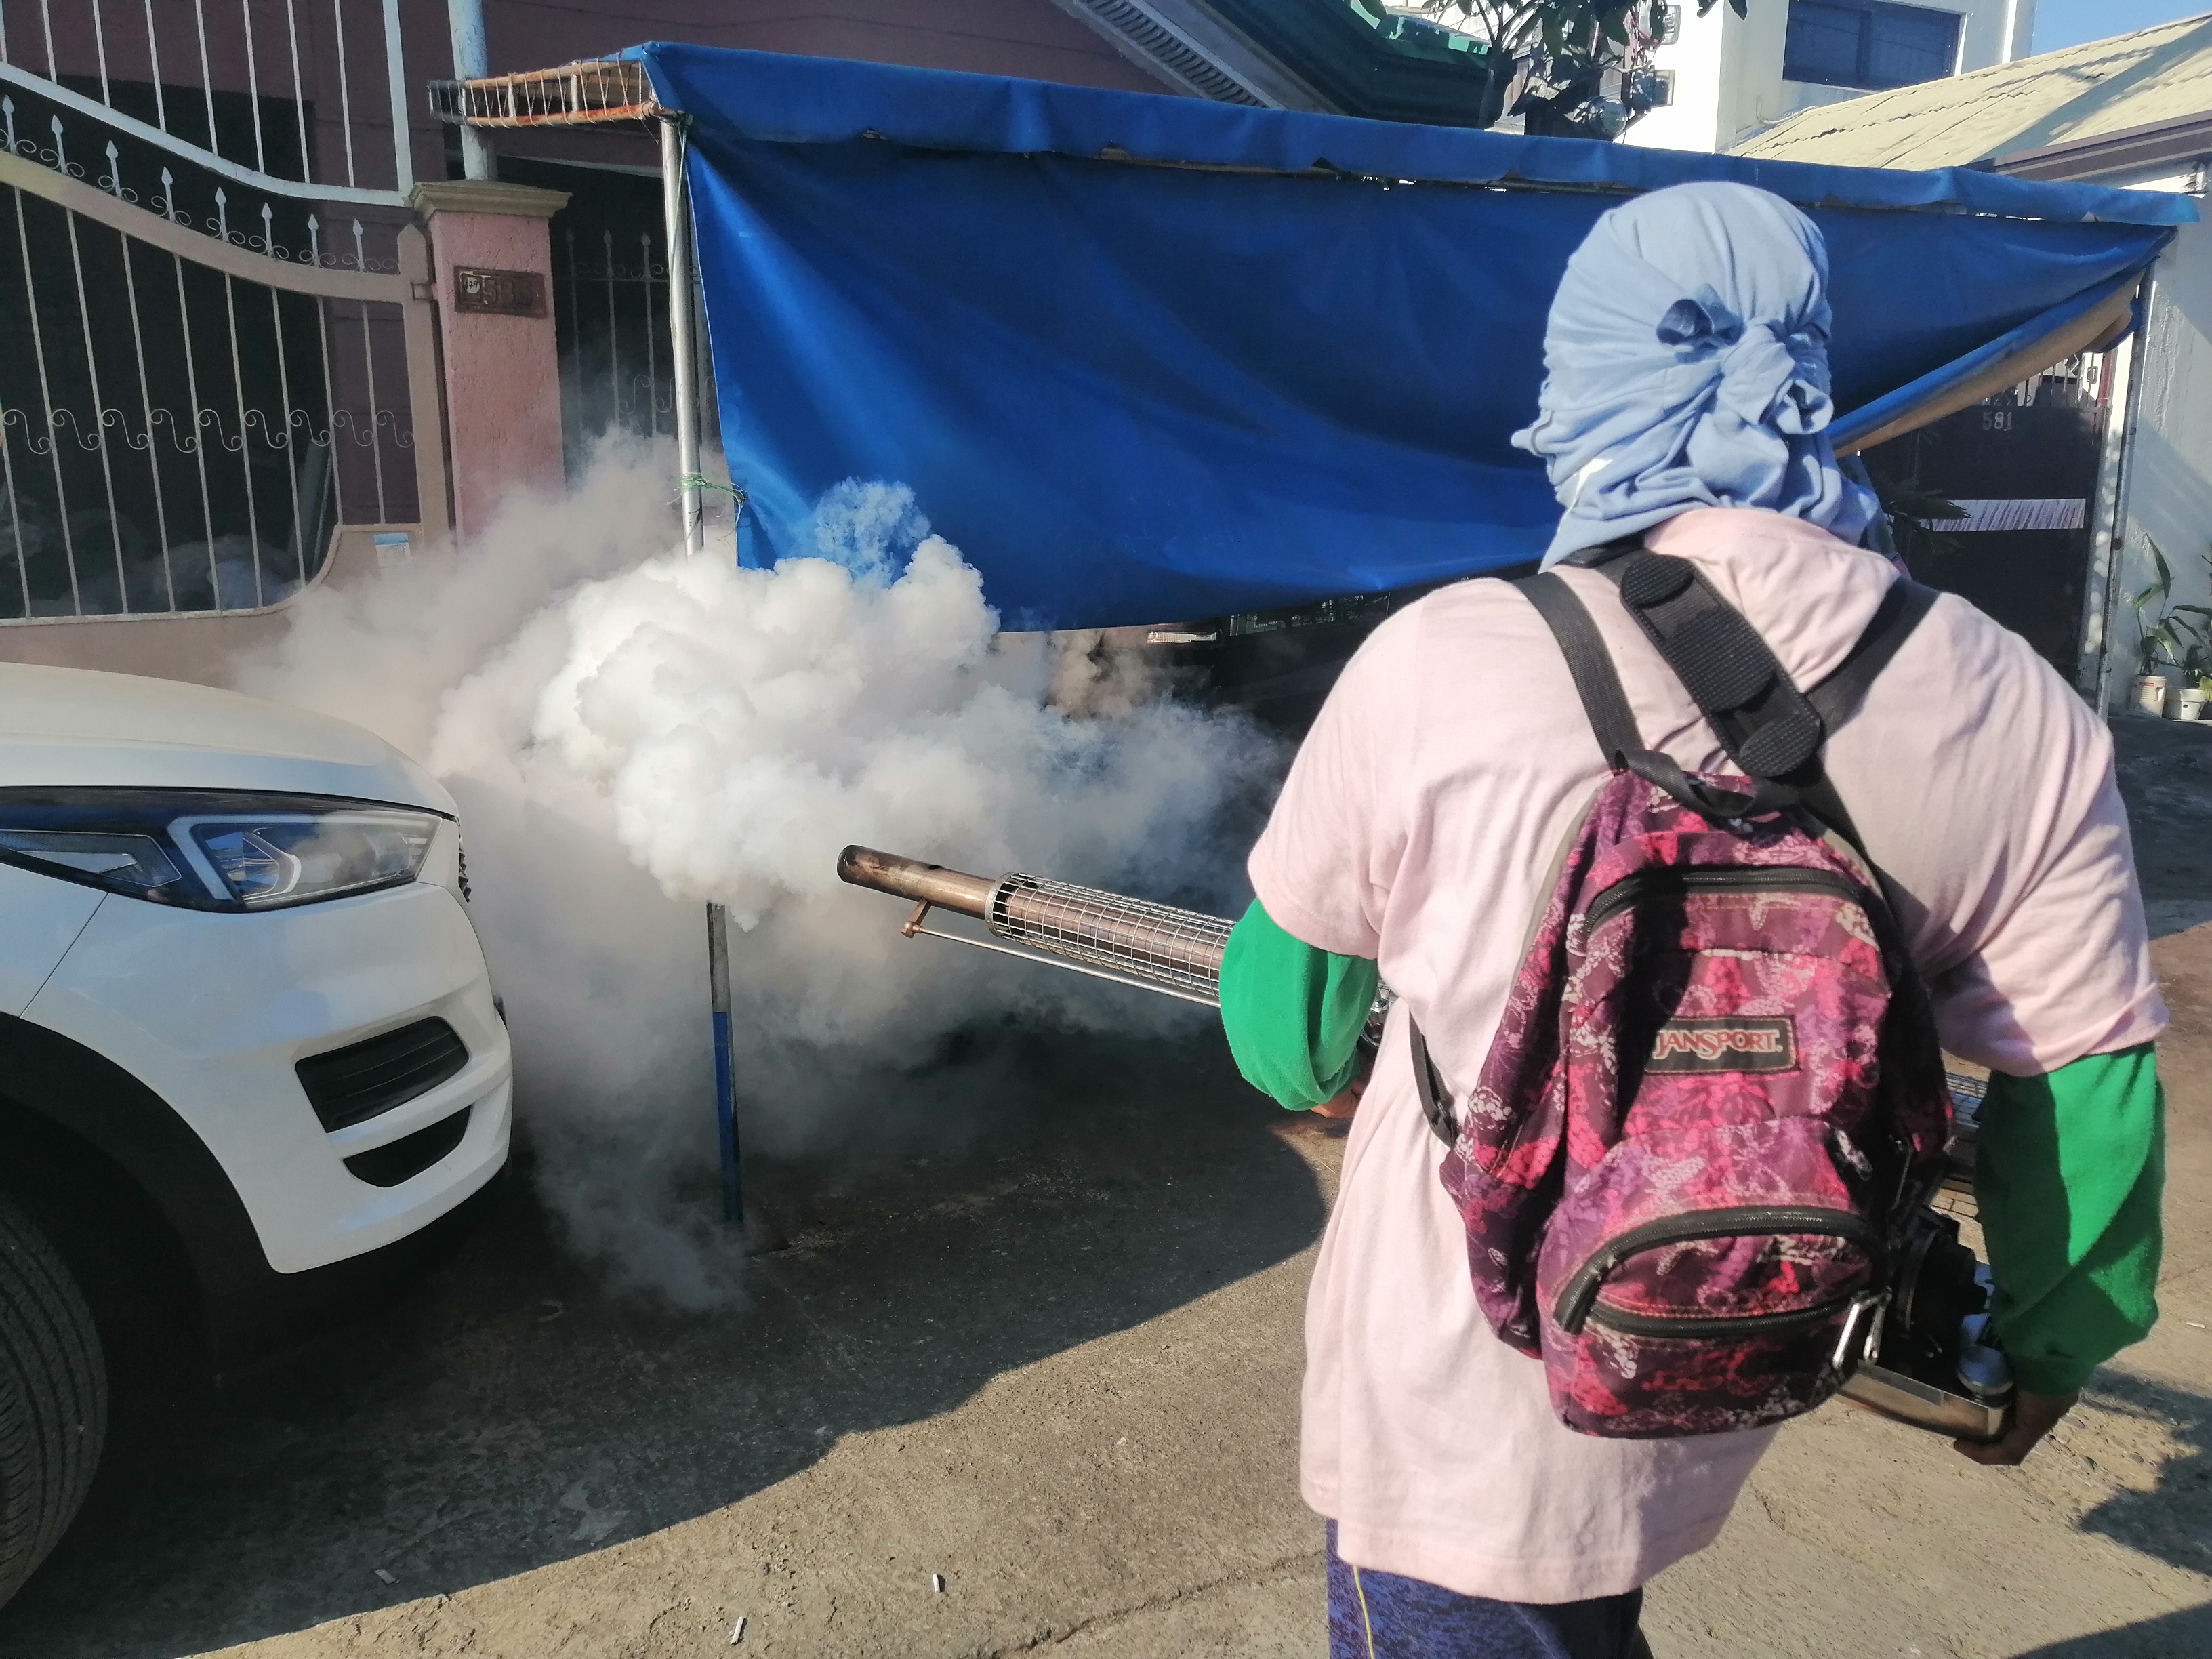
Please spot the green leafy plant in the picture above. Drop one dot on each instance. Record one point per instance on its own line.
(1913, 512)
(2170, 636)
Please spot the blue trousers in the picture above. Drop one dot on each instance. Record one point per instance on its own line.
(1379, 1615)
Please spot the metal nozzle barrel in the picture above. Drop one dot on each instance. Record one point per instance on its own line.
(910, 879)
(1154, 945)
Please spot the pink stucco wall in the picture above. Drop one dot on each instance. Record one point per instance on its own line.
(501, 383)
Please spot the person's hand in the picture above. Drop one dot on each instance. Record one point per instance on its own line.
(2034, 1416)
(1344, 1105)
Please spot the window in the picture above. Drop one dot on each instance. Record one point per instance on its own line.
(1651, 90)
(1868, 44)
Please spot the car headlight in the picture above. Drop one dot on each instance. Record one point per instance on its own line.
(214, 851)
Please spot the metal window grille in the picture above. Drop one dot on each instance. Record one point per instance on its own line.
(612, 331)
(610, 303)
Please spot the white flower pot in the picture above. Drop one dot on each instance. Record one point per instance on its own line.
(2150, 693)
(2184, 702)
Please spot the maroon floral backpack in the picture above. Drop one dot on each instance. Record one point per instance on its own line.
(1717, 1098)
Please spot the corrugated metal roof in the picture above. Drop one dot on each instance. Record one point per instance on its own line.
(2155, 75)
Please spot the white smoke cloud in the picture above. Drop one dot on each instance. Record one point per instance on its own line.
(631, 731)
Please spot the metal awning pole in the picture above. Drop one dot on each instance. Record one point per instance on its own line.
(682, 344)
(472, 62)
(726, 1079)
(2109, 517)
(682, 328)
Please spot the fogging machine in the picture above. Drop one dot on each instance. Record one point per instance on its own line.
(1930, 1363)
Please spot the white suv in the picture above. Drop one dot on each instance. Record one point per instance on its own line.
(249, 1051)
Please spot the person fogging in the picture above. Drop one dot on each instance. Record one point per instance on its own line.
(1624, 1185)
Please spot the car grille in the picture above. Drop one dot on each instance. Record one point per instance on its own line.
(409, 1155)
(351, 1085)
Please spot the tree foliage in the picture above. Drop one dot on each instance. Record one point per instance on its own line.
(1580, 68)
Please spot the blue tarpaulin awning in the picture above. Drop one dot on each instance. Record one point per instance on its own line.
(1148, 357)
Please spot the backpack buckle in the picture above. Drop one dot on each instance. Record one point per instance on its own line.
(1435, 1105)
(1717, 804)
(1866, 1310)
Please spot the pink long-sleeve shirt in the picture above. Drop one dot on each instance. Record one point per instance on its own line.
(1417, 827)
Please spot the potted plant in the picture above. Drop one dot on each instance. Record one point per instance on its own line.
(2169, 635)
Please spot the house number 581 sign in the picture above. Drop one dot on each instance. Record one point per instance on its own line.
(499, 293)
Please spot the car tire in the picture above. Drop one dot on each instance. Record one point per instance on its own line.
(53, 1398)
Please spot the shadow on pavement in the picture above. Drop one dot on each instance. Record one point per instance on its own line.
(2176, 1633)
(2172, 1520)
(2166, 777)
(514, 1412)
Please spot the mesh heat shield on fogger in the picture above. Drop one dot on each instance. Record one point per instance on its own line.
(1929, 1362)
(1154, 947)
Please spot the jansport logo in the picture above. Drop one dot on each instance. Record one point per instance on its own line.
(1723, 1045)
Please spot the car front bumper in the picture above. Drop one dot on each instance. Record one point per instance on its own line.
(212, 1012)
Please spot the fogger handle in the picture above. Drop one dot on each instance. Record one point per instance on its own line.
(910, 879)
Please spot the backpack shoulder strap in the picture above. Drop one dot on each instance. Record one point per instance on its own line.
(1595, 678)
(1430, 1087)
(1836, 698)
(1598, 683)
(1773, 704)
(1747, 696)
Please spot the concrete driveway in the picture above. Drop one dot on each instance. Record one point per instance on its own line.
(1062, 1372)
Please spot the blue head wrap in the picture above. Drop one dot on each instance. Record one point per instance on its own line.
(1687, 365)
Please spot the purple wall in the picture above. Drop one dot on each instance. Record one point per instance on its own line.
(1030, 38)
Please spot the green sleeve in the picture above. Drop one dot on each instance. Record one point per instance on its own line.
(1292, 1013)
(2067, 1178)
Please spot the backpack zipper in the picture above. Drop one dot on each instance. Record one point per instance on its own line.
(1673, 880)
(1578, 1297)
(1717, 1330)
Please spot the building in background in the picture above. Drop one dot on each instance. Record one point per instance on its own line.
(263, 330)
(1722, 78)
(2106, 110)
(2071, 480)
(257, 333)
(266, 321)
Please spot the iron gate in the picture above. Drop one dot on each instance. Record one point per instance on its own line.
(212, 346)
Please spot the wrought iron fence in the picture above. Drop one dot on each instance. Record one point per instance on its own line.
(305, 169)
(613, 333)
(177, 437)
(185, 417)
(311, 93)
